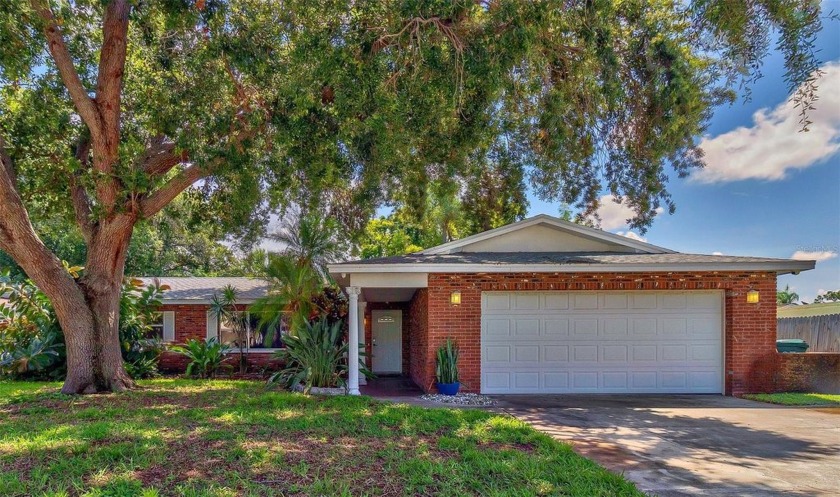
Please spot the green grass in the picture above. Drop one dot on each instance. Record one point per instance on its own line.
(230, 438)
(797, 399)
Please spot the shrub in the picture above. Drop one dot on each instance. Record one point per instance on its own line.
(31, 342)
(206, 357)
(314, 357)
(447, 363)
(138, 310)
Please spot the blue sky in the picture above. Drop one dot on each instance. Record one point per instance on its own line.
(768, 190)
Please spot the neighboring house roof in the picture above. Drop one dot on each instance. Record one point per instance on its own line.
(545, 244)
(194, 289)
(809, 310)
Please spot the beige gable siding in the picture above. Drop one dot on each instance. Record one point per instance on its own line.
(542, 238)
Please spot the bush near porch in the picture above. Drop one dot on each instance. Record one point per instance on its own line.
(220, 438)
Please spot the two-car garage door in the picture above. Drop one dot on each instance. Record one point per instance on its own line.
(602, 342)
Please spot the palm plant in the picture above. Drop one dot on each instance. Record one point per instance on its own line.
(315, 357)
(786, 296)
(311, 241)
(293, 289)
(206, 357)
(225, 308)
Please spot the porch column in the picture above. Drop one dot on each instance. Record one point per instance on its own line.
(353, 340)
(362, 337)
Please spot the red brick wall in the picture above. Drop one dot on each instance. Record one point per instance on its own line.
(418, 318)
(191, 322)
(406, 338)
(750, 328)
(810, 372)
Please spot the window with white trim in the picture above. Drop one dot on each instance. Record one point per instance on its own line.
(163, 327)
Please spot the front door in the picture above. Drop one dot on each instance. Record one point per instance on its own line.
(387, 341)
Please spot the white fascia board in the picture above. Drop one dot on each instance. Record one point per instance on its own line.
(778, 267)
(584, 231)
(391, 279)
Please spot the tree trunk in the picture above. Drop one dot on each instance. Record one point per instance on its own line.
(96, 365)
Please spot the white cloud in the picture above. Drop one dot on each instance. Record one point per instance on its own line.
(717, 253)
(773, 146)
(631, 235)
(615, 215)
(820, 255)
(821, 291)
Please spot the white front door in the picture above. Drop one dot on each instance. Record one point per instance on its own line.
(602, 342)
(387, 341)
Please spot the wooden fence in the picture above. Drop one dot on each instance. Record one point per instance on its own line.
(822, 333)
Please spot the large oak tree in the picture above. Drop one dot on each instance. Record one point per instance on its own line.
(110, 109)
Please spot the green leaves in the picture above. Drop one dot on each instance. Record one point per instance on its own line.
(315, 356)
(206, 357)
(446, 367)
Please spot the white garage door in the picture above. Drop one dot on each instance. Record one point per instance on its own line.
(601, 342)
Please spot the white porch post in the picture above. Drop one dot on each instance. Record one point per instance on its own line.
(353, 340)
(362, 338)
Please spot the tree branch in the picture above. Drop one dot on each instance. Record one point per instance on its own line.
(111, 68)
(64, 62)
(152, 204)
(6, 162)
(78, 194)
(160, 158)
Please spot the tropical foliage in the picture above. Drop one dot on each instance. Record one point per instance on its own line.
(206, 357)
(139, 309)
(315, 356)
(312, 240)
(110, 110)
(786, 296)
(225, 308)
(446, 369)
(291, 299)
(32, 342)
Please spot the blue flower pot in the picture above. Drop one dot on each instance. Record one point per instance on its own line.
(448, 388)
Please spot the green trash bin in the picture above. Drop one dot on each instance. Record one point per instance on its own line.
(791, 345)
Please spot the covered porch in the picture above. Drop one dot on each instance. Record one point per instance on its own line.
(388, 315)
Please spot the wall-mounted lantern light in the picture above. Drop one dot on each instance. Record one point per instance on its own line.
(455, 298)
(752, 296)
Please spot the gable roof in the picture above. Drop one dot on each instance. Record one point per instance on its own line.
(551, 222)
(200, 290)
(490, 251)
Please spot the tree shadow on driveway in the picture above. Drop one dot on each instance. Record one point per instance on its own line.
(694, 445)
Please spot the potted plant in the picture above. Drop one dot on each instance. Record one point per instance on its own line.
(446, 372)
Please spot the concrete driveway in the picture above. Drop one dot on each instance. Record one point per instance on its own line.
(695, 444)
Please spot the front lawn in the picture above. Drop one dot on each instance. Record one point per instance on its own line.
(226, 438)
(797, 399)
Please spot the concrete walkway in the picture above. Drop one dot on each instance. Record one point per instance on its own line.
(695, 444)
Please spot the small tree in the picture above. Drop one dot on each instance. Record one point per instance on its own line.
(229, 313)
(786, 296)
(830, 296)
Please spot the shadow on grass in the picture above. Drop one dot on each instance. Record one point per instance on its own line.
(188, 437)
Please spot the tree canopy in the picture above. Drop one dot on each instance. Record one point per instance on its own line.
(109, 110)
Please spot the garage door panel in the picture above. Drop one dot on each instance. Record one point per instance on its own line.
(555, 301)
(556, 327)
(497, 328)
(585, 301)
(555, 353)
(614, 353)
(583, 328)
(588, 342)
(526, 328)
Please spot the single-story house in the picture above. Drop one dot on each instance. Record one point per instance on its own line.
(185, 314)
(542, 306)
(549, 306)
